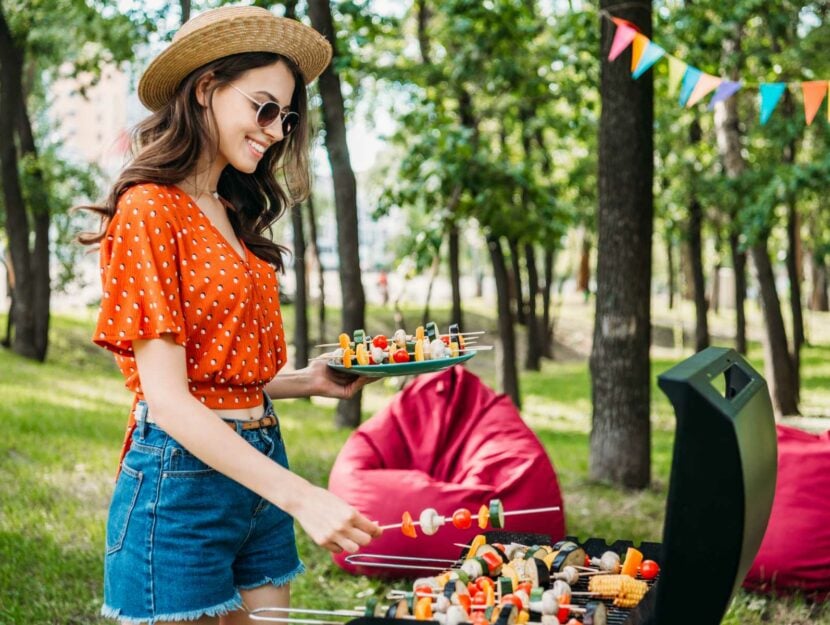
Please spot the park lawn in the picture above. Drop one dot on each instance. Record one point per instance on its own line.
(62, 424)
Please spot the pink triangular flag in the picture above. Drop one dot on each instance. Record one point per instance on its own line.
(704, 87)
(814, 92)
(622, 39)
(640, 45)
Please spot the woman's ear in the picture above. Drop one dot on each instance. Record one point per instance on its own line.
(202, 88)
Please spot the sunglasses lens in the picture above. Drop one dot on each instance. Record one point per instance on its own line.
(289, 122)
(267, 114)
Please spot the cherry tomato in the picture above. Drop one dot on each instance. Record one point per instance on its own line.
(424, 590)
(480, 599)
(587, 560)
(380, 341)
(462, 518)
(472, 588)
(400, 356)
(649, 569)
(511, 598)
(564, 615)
(446, 340)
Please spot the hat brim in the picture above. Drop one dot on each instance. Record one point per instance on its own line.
(305, 46)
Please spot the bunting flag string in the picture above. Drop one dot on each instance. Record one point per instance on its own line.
(694, 85)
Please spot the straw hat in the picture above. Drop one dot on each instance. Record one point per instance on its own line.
(225, 31)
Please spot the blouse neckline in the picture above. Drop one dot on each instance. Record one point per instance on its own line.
(222, 238)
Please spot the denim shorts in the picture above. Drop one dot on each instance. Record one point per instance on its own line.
(183, 539)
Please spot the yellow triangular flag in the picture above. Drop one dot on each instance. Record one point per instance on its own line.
(704, 86)
(814, 92)
(676, 70)
(638, 46)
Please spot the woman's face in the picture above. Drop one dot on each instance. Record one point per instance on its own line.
(242, 143)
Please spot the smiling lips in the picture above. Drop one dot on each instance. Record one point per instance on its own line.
(257, 147)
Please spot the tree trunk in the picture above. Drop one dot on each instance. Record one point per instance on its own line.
(670, 267)
(345, 200)
(506, 352)
(583, 276)
(819, 300)
(455, 276)
(301, 347)
(547, 316)
(779, 366)
(739, 265)
(793, 260)
(25, 336)
(533, 357)
(516, 282)
(714, 290)
(620, 366)
(39, 199)
(794, 274)
(321, 271)
(728, 133)
(696, 256)
(433, 273)
(687, 285)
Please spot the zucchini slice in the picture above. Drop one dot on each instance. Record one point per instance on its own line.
(496, 510)
(595, 613)
(569, 555)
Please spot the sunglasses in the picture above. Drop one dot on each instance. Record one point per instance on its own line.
(269, 111)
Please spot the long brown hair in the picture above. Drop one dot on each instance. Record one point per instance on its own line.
(166, 147)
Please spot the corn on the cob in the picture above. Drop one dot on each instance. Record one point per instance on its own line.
(623, 589)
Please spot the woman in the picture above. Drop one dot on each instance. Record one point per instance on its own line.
(201, 518)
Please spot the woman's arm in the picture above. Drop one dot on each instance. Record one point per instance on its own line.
(316, 379)
(326, 518)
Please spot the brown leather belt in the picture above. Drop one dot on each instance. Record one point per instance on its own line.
(265, 422)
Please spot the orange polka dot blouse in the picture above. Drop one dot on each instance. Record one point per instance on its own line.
(165, 269)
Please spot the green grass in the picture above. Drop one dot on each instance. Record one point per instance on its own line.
(62, 424)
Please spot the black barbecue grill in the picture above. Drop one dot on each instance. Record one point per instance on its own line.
(720, 495)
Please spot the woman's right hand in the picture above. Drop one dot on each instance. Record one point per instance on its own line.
(332, 523)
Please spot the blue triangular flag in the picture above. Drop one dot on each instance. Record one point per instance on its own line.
(771, 93)
(690, 79)
(724, 91)
(651, 55)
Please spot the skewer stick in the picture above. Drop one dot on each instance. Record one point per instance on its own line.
(412, 337)
(475, 516)
(474, 348)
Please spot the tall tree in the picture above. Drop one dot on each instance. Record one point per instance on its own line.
(34, 41)
(345, 198)
(620, 448)
(696, 254)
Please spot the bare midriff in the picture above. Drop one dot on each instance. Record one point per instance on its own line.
(241, 414)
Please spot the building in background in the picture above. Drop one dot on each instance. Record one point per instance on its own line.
(92, 121)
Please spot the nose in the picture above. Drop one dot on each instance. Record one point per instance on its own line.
(275, 131)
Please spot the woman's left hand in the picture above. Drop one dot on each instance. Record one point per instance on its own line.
(328, 382)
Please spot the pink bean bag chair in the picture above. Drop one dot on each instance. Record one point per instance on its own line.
(446, 441)
(795, 552)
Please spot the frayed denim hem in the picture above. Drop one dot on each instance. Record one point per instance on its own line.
(234, 603)
(276, 581)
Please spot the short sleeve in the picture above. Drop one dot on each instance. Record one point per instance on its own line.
(141, 295)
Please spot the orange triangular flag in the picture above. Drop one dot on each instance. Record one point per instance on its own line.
(637, 49)
(814, 92)
(704, 87)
